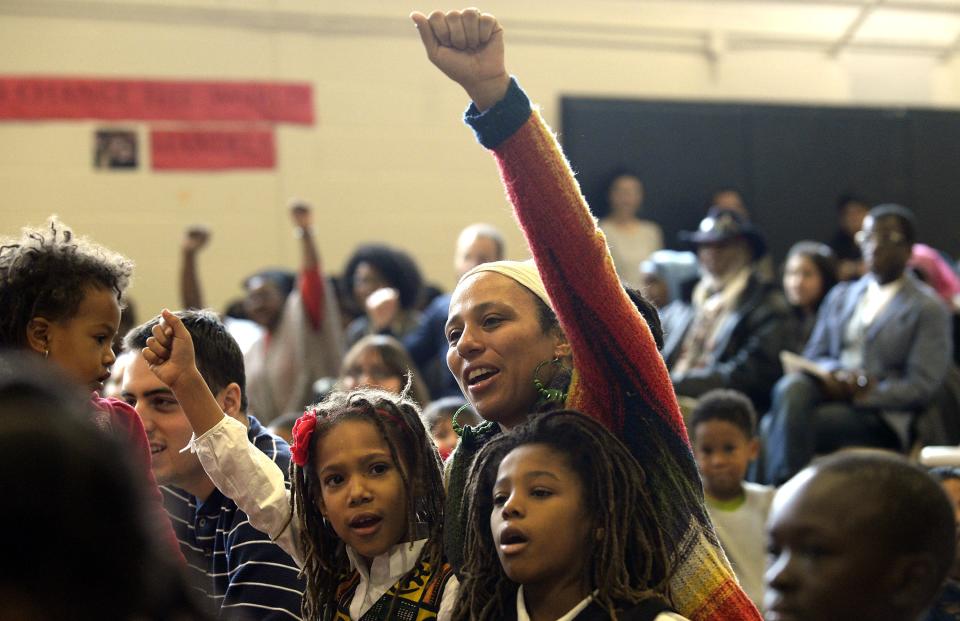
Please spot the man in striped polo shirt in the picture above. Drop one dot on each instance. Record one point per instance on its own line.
(240, 571)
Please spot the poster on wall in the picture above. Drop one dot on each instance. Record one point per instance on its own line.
(29, 98)
(115, 149)
(212, 149)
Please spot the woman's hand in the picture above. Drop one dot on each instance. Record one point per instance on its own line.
(468, 47)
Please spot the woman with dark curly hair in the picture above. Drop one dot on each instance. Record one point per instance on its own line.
(384, 284)
(61, 297)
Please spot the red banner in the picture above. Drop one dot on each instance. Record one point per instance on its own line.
(34, 98)
(212, 149)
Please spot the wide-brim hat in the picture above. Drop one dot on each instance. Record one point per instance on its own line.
(723, 225)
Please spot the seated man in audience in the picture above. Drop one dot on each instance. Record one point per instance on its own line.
(241, 571)
(861, 534)
(884, 346)
(427, 344)
(739, 323)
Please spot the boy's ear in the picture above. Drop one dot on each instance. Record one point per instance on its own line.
(38, 334)
(753, 447)
(912, 581)
(230, 399)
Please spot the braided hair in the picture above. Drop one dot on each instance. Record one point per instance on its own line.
(47, 271)
(631, 561)
(397, 420)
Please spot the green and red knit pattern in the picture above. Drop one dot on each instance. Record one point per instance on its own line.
(619, 378)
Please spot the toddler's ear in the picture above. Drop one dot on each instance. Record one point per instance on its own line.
(754, 448)
(38, 334)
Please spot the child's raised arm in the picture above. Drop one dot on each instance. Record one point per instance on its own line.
(169, 353)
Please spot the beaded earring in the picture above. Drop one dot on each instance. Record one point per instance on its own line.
(548, 394)
(457, 429)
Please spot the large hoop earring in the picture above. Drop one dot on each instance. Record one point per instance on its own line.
(548, 394)
(457, 429)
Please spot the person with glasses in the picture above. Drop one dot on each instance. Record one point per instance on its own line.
(884, 346)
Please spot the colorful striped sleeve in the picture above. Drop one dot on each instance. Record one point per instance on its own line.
(619, 377)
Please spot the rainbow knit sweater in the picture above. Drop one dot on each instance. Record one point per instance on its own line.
(619, 378)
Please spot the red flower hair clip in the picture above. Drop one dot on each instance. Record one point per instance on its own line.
(302, 432)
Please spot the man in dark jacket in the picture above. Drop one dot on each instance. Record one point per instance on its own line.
(737, 325)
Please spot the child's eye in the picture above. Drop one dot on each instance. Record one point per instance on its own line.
(380, 468)
(499, 499)
(541, 492)
(333, 480)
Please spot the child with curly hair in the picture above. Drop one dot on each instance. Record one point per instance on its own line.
(61, 297)
(559, 526)
(364, 515)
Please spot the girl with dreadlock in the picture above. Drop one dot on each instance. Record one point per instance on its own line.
(364, 515)
(61, 297)
(559, 331)
(559, 526)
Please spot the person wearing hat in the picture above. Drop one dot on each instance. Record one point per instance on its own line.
(739, 322)
(883, 344)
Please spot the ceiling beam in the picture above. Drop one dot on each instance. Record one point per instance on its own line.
(929, 6)
(869, 6)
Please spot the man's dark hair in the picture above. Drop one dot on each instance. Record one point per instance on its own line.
(728, 405)
(908, 222)
(218, 356)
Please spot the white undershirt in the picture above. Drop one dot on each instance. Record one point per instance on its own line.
(573, 612)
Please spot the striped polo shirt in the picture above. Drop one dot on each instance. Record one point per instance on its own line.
(241, 573)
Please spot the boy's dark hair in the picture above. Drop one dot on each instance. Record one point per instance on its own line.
(395, 357)
(631, 561)
(397, 268)
(908, 507)
(397, 419)
(218, 356)
(444, 409)
(908, 222)
(54, 458)
(728, 405)
(46, 272)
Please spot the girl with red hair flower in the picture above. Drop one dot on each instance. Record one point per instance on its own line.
(364, 514)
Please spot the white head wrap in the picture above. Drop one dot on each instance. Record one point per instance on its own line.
(523, 272)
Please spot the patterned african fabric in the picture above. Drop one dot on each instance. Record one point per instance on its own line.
(417, 600)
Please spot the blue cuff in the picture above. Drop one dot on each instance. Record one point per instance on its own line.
(502, 120)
